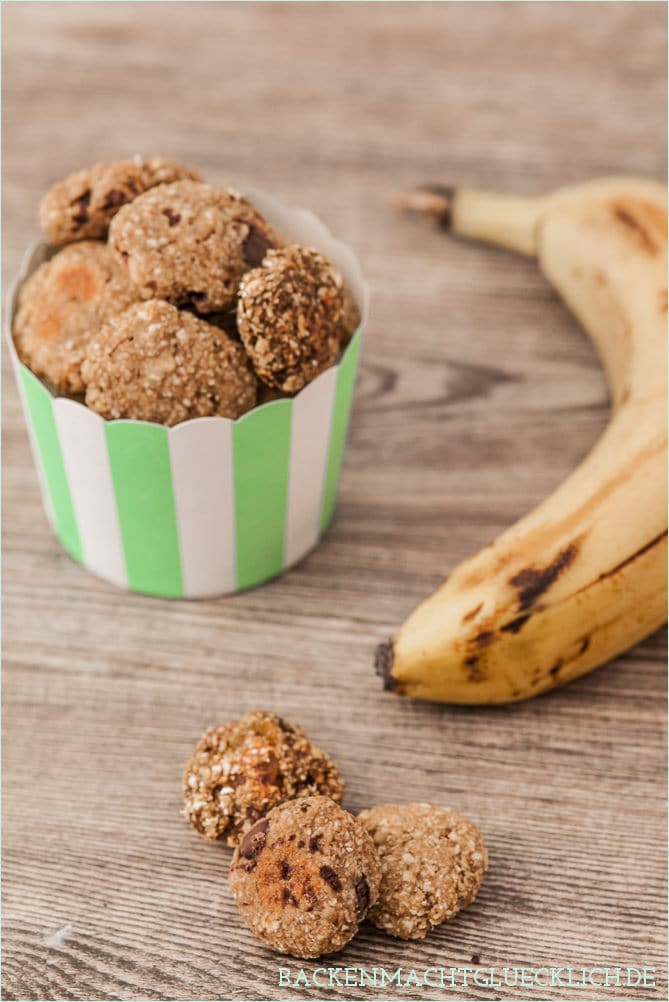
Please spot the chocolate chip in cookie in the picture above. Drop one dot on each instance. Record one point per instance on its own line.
(190, 243)
(83, 205)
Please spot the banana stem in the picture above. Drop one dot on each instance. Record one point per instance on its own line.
(431, 200)
(505, 220)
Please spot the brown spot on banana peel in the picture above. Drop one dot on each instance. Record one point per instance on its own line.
(484, 638)
(475, 672)
(532, 582)
(515, 625)
(468, 616)
(647, 223)
(623, 216)
(638, 553)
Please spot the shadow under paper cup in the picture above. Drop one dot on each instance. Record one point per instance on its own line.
(210, 506)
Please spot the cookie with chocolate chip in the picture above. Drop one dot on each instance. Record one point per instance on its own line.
(305, 876)
(83, 205)
(240, 770)
(190, 243)
(291, 316)
(433, 862)
(63, 305)
(153, 362)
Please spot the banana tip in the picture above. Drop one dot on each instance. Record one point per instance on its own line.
(383, 663)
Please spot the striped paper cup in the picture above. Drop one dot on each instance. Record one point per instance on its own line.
(210, 506)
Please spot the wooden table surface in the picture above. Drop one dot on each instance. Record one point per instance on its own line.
(477, 394)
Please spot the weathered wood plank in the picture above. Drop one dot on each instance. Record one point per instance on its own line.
(477, 395)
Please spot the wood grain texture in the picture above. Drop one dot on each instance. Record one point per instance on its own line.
(478, 393)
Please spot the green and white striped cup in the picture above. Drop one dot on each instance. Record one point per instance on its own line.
(211, 506)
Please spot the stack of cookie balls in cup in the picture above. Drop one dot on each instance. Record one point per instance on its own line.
(171, 299)
(305, 872)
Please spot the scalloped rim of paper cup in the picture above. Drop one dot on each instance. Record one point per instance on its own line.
(284, 217)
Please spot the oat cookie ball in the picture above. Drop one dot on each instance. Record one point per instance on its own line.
(153, 362)
(190, 243)
(305, 876)
(62, 305)
(432, 863)
(84, 203)
(291, 316)
(240, 770)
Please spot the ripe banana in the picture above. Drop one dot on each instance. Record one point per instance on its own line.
(583, 576)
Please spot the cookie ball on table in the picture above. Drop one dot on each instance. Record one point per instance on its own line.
(291, 316)
(190, 243)
(432, 860)
(62, 305)
(242, 769)
(153, 362)
(83, 205)
(305, 876)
